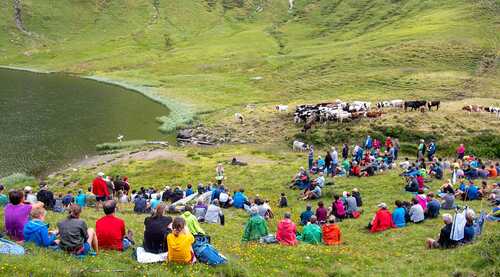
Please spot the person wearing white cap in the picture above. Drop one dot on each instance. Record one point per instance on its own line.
(100, 190)
(382, 219)
(30, 196)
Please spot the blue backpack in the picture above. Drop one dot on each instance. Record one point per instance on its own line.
(8, 247)
(206, 253)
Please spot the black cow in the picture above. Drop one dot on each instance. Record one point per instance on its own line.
(431, 104)
(414, 105)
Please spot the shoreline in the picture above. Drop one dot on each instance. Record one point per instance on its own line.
(179, 113)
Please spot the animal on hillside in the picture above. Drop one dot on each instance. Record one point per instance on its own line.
(398, 103)
(290, 4)
(374, 114)
(357, 115)
(472, 108)
(431, 104)
(310, 123)
(299, 146)
(120, 137)
(422, 109)
(282, 108)
(493, 110)
(414, 105)
(239, 117)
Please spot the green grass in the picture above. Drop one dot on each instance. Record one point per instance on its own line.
(395, 252)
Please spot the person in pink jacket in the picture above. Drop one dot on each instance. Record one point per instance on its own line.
(286, 231)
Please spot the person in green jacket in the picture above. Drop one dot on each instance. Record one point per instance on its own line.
(256, 226)
(192, 222)
(311, 233)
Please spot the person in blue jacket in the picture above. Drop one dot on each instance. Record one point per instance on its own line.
(239, 199)
(37, 231)
(305, 216)
(431, 150)
(398, 215)
(368, 142)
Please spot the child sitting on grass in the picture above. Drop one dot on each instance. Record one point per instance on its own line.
(283, 201)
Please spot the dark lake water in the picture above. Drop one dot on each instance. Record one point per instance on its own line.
(50, 120)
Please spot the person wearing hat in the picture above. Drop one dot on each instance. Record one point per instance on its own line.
(100, 190)
(382, 220)
(3, 198)
(45, 196)
(30, 196)
(256, 226)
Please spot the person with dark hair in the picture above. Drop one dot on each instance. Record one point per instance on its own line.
(398, 215)
(433, 206)
(45, 196)
(416, 212)
(306, 215)
(179, 243)
(100, 190)
(286, 231)
(283, 203)
(75, 237)
(140, 203)
(157, 227)
(3, 198)
(16, 214)
(321, 212)
(110, 230)
(68, 199)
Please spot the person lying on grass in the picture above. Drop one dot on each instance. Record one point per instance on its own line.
(179, 243)
(37, 231)
(16, 214)
(443, 240)
(256, 226)
(75, 237)
(286, 233)
(110, 230)
(311, 233)
(331, 232)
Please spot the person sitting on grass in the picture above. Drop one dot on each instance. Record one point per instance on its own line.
(352, 205)
(433, 206)
(239, 199)
(156, 229)
(37, 231)
(320, 180)
(179, 243)
(16, 214)
(416, 212)
(331, 232)
(398, 215)
(313, 193)
(110, 230)
(338, 209)
(140, 204)
(214, 213)
(382, 220)
(444, 240)
(472, 192)
(286, 231)
(306, 215)
(355, 170)
(200, 210)
(81, 198)
(300, 180)
(283, 203)
(469, 227)
(45, 196)
(311, 233)
(256, 226)
(192, 222)
(321, 213)
(74, 236)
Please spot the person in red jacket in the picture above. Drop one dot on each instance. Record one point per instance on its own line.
(286, 231)
(100, 190)
(110, 230)
(382, 220)
(331, 232)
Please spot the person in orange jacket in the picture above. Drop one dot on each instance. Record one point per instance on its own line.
(331, 232)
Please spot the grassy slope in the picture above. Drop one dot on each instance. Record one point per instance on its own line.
(396, 252)
(324, 50)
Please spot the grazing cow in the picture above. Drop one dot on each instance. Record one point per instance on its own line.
(472, 108)
(282, 108)
(238, 117)
(310, 123)
(299, 146)
(431, 104)
(397, 103)
(342, 115)
(374, 114)
(414, 105)
(357, 115)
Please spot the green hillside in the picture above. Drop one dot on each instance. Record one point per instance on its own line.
(207, 59)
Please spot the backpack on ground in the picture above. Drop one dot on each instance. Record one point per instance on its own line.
(206, 253)
(8, 247)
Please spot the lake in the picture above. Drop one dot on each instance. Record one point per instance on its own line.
(50, 120)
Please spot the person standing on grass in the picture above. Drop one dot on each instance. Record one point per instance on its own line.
(286, 233)
(75, 237)
(179, 243)
(368, 143)
(335, 161)
(328, 163)
(100, 190)
(431, 150)
(396, 148)
(16, 214)
(345, 151)
(310, 157)
(110, 230)
(256, 226)
(460, 152)
(421, 150)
